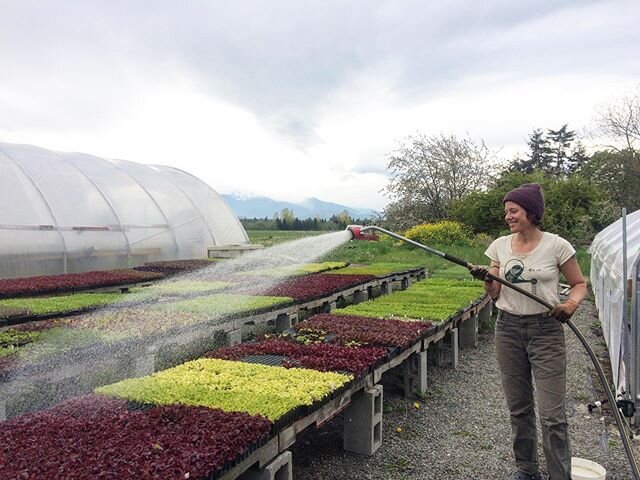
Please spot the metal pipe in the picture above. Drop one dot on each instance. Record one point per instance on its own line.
(635, 332)
(625, 354)
(583, 340)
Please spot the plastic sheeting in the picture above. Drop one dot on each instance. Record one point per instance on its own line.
(72, 212)
(607, 274)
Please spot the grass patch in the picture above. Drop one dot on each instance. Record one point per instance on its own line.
(391, 251)
(269, 238)
(584, 260)
(454, 272)
(388, 250)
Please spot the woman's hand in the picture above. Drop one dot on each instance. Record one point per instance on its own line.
(482, 273)
(479, 272)
(564, 311)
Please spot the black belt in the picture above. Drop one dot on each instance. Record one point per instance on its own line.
(506, 314)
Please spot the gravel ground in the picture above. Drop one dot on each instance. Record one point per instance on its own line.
(460, 430)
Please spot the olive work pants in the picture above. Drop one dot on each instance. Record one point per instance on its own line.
(533, 347)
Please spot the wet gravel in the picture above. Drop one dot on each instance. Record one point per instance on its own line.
(460, 430)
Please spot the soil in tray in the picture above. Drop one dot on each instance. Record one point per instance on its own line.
(273, 360)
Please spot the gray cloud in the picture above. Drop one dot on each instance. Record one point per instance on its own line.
(86, 59)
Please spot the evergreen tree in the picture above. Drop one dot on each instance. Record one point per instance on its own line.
(554, 152)
(560, 146)
(538, 157)
(540, 152)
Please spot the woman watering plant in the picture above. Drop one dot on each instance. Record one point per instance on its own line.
(530, 344)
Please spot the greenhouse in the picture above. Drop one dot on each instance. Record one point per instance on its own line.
(73, 212)
(615, 275)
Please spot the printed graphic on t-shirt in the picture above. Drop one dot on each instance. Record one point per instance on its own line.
(513, 272)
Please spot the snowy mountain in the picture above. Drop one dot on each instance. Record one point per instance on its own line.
(261, 207)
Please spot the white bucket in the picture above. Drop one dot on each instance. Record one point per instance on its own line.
(582, 469)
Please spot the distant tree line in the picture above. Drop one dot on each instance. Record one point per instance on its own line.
(448, 178)
(287, 220)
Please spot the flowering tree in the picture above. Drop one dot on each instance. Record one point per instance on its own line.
(617, 168)
(428, 173)
(620, 121)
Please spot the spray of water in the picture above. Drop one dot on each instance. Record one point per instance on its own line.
(149, 329)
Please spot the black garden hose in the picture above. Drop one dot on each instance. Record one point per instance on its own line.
(583, 340)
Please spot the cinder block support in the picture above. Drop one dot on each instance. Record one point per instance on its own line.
(387, 288)
(328, 307)
(469, 332)
(283, 322)
(146, 363)
(447, 350)
(279, 469)
(234, 337)
(294, 319)
(404, 284)
(414, 371)
(363, 422)
(360, 296)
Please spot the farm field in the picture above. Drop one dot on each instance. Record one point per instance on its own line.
(326, 343)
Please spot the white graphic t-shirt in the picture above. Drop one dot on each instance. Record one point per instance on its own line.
(537, 271)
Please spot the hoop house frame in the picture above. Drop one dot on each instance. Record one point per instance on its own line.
(72, 212)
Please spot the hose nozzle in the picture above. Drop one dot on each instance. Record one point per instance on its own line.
(356, 231)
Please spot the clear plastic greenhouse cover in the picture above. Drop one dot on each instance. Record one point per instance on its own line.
(606, 248)
(73, 212)
(607, 284)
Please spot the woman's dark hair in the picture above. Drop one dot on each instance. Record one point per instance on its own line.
(533, 218)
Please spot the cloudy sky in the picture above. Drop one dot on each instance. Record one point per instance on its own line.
(292, 99)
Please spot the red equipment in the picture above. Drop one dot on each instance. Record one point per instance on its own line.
(358, 234)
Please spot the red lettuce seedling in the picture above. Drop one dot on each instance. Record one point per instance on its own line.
(97, 437)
